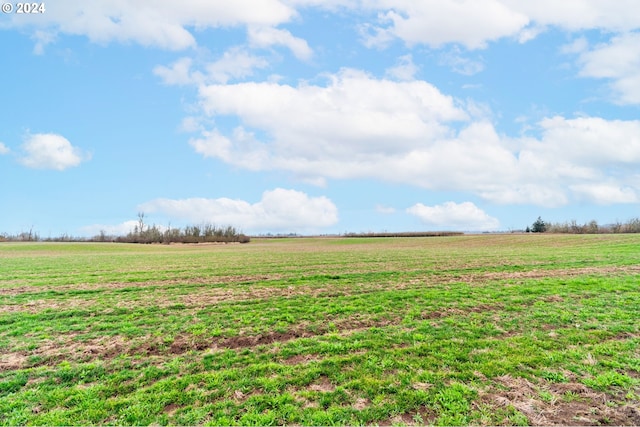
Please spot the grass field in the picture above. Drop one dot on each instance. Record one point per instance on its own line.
(490, 330)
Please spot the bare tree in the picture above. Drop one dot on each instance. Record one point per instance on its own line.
(141, 222)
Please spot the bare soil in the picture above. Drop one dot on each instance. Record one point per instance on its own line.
(588, 407)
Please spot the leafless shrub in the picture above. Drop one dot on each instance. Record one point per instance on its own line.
(631, 226)
(144, 233)
(592, 227)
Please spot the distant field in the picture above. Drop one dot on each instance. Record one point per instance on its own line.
(491, 330)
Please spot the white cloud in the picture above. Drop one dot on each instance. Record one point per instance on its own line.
(606, 194)
(3, 149)
(50, 151)
(462, 216)
(213, 145)
(405, 70)
(572, 158)
(278, 210)
(530, 33)
(42, 38)
(471, 23)
(618, 61)
(353, 118)
(461, 64)
(409, 132)
(191, 124)
(110, 230)
(235, 63)
(179, 73)
(474, 23)
(573, 15)
(161, 24)
(579, 45)
(260, 36)
(590, 141)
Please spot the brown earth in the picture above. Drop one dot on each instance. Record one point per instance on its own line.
(585, 407)
(212, 296)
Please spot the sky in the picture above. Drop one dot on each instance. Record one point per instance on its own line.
(318, 117)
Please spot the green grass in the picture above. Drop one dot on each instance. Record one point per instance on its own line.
(491, 330)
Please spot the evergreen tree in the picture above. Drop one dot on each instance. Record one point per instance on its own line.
(539, 226)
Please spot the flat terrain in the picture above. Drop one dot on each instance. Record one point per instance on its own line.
(488, 329)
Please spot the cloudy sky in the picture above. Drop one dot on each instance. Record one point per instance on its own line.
(314, 116)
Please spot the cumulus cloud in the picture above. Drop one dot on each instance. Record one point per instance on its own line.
(179, 73)
(357, 126)
(617, 61)
(590, 141)
(354, 119)
(50, 151)
(3, 149)
(578, 45)
(572, 159)
(405, 69)
(121, 229)
(278, 210)
(149, 22)
(261, 36)
(235, 63)
(606, 194)
(439, 22)
(469, 23)
(451, 215)
(574, 15)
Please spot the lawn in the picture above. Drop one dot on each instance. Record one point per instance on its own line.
(479, 329)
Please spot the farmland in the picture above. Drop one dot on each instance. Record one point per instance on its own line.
(489, 329)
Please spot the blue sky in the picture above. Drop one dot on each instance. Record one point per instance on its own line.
(310, 116)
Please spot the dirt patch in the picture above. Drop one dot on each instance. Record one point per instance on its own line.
(182, 344)
(36, 306)
(170, 409)
(301, 359)
(421, 386)
(361, 404)
(12, 361)
(422, 417)
(68, 347)
(571, 404)
(480, 308)
(343, 327)
(262, 339)
(479, 278)
(323, 385)
(240, 396)
(53, 351)
(567, 272)
(207, 280)
(215, 296)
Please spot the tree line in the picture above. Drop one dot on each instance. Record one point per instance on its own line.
(590, 227)
(143, 233)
